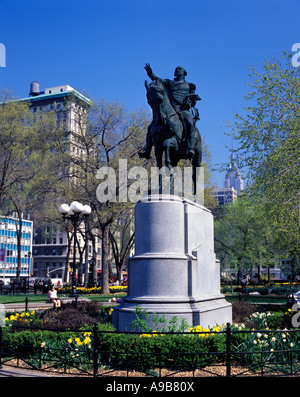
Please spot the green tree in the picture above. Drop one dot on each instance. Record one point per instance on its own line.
(122, 239)
(15, 145)
(112, 133)
(269, 148)
(243, 237)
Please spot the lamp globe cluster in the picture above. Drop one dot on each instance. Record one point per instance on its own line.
(72, 212)
(75, 207)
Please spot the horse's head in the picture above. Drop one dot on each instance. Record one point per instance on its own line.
(155, 93)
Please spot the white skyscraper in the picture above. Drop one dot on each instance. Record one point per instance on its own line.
(233, 177)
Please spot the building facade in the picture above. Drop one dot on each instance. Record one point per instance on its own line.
(10, 244)
(225, 195)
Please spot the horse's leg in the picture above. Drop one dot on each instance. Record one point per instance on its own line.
(167, 144)
(159, 163)
(166, 148)
(169, 162)
(196, 165)
(172, 176)
(174, 163)
(197, 160)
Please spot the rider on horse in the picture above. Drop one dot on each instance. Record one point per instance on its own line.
(183, 97)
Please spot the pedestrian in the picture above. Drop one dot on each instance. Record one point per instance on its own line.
(52, 295)
(244, 283)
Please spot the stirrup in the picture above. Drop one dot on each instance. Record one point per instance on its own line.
(144, 154)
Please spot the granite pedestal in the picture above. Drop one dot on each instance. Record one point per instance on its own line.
(174, 271)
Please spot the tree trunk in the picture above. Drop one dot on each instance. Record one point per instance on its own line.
(294, 263)
(119, 267)
(86, 259)
(258, 273)
(79, 265)
(105, 261)
(94, 261)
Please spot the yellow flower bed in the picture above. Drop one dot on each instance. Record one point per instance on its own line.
(83, 340)
(205, 332)
(25, 316)
(94, 290)
(200, 331)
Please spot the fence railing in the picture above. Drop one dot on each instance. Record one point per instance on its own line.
(92, 353)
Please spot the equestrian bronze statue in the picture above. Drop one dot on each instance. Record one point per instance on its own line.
(173, 130)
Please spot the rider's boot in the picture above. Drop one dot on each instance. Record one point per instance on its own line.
(145, 152)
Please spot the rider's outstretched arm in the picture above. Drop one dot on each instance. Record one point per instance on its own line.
(149, 71)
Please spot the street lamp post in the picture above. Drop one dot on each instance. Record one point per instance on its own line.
(29, 266)
(73, 213)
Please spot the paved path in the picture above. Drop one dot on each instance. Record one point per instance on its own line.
(32, 305)
(16, 372)
(20, 306)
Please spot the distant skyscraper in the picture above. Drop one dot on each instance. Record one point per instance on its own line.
(233, 185)
(233, 177)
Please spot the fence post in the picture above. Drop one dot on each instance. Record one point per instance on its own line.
(0, 346)
(228, 345)
(95, 345)
(291, 357)
(26, 304)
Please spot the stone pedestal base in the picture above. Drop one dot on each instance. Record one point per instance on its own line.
(174, 271)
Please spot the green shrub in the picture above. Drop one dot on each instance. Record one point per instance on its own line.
(197, 348)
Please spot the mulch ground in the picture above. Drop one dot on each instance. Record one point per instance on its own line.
(211, 371)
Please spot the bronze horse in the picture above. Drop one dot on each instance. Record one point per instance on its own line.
(167, 131)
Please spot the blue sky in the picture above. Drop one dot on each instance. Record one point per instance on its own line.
(101, 46)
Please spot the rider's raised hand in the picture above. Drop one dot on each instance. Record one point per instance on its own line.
(148, 68)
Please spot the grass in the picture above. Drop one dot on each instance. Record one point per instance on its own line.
(20, 298)
(278, 299)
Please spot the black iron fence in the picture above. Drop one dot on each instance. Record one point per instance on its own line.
(233, 352)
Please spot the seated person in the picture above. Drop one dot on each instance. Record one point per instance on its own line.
(52, 295)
